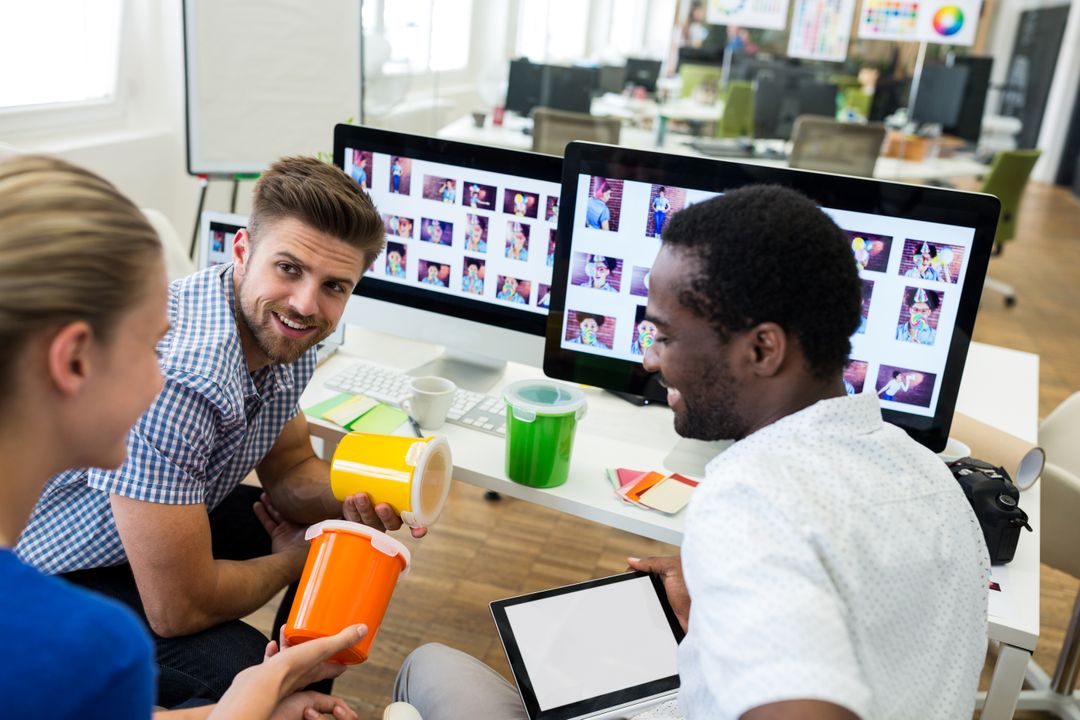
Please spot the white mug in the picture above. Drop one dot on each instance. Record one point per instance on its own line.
(429, 400)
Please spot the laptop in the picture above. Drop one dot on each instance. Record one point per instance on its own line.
(601, 649)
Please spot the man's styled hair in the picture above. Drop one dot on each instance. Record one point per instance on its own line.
(322, 197)
(768, 254)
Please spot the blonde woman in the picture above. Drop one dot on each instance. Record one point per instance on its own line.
(82, 307)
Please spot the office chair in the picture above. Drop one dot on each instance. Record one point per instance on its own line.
(1007, 179)
(553, 130)
(693, 76)
(823, 144)
(177, 262)
(737, 119)
(1060, 548)
(857, 100)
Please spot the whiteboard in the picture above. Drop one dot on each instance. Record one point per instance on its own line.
(267, 78)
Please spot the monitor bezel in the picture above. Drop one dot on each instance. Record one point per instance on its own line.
(520, 163)
(208, 218)
(918, 202)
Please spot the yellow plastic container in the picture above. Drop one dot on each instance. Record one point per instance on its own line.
(411, 475)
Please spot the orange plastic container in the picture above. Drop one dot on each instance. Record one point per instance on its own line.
(350, 574)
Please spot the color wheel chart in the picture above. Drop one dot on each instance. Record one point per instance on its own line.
(946, 22)
(821, 29)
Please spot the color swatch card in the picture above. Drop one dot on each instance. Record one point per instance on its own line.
(949, 22)
(821, 29)
(890, 20)
(652, 490)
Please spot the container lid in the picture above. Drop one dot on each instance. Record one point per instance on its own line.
(379, 540)
(544, 397)
(433, 474)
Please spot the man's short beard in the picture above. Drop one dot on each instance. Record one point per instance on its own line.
(710, 413)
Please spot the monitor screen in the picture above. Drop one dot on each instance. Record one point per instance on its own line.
(643, 73)
(524, 86)
(470, 230)
(569, 88)
(916, 247)
(940, 94)
(968, 123)
(217, 230)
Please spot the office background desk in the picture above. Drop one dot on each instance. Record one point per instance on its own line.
(511, 135)
(1000, 387)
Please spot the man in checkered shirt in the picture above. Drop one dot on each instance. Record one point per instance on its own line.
(172, 533)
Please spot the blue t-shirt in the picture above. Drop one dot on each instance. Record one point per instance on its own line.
(596, 213)
(72, 653)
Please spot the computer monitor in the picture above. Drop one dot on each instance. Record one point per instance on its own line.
(940, 94)
(470, 236)
(216, 233)
(643, 73)
(968, 123)
(890, 94)
(524, 87)
(612, 78)
(569, 88)
(905, 238)
(779, 99)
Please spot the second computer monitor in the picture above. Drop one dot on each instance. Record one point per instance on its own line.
(940, 94)
(643, 73)
(470, 241)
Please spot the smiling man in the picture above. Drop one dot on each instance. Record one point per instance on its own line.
(833, 568)
(172, 533)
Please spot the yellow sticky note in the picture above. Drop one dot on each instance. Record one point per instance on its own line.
(349, 410)
(668, 496)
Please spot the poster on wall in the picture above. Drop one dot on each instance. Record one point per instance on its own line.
(949, 22)
(821, 29)
(767, 14)
(889, 20)
(945, 22)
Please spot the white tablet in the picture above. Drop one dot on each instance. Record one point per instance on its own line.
(602, 648)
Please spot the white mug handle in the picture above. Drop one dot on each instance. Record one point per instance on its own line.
(406, 405)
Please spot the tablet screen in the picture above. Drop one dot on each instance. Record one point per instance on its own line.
(602, 643)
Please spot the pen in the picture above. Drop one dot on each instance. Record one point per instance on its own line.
(415, 427)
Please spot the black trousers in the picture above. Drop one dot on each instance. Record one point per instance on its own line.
(204, 664)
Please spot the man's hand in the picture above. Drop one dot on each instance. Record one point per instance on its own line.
(358, 508)
(670, 571)
(312, 706)
(285, 536)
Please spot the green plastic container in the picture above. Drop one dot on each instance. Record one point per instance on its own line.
(541, 417)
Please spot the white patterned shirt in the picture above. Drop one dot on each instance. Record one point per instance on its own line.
(829, 556)
(212, 424)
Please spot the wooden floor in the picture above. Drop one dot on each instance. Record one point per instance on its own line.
(480, 551)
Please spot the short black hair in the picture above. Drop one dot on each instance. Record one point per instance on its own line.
(768, 254)
(583, 316)
(932, 298)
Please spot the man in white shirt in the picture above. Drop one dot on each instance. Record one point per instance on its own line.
(833, 568)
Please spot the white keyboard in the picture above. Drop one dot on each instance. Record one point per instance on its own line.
(485, 413)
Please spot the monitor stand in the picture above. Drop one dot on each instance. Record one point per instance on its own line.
(469, 371)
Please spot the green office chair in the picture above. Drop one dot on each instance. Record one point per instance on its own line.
(1007, 179)
(693, 76)
(737, 119)
(857, 99)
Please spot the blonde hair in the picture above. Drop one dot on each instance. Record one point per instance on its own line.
(321, 196)
(71, 248)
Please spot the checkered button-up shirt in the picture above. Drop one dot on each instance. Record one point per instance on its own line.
(212, 424)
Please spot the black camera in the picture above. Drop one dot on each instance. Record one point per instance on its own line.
(996, 503)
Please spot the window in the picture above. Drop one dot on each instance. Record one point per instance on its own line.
(423, 35)
(553, 30)
(58, 51)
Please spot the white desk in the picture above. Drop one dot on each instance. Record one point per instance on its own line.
(510, 136)
(1000, 387)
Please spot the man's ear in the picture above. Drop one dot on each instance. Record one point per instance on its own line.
(69, 357)
(768, 348)
(241, 251)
